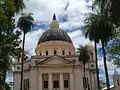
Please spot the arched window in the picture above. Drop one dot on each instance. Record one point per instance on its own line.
(63, 52)
(40, 53)
(46, 52)
(55, 52)
(69, 53)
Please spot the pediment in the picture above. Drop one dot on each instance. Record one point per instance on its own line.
(55, 60)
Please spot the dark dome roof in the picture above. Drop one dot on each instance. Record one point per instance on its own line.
(54, 35)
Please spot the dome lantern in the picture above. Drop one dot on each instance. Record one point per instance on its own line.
(54, 24)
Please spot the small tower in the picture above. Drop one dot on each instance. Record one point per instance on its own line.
(116, 80)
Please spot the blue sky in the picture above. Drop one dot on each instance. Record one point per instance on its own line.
(70, 15)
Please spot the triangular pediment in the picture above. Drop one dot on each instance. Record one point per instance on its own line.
(55, 60)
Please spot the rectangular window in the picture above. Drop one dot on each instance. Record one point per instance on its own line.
(26, 84)
(118, 82)
(55, 84)
(66, 84)
(45, 84)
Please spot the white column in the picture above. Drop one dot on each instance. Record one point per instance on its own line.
(40, 82)
(50, 81)
(71, 82)
(61, 82)
(33, 78)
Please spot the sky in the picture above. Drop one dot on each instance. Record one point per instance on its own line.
(70, 15)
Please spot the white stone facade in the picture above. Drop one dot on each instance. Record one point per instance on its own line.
(35, 69)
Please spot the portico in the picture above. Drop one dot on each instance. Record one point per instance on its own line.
(56, 81)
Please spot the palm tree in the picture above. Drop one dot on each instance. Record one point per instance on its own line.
(25, 23)
(84, 56)
(19, 5)
(97, 28)
(89, 32)
(115, 14)
(110, 7)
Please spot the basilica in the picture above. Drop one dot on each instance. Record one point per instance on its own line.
(56, 65)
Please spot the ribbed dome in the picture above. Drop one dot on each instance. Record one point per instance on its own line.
(54, 35)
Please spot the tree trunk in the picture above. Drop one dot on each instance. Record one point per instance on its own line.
(97, 71)
(22, 60)
(105, 65)
(84, 78)
(4, 75)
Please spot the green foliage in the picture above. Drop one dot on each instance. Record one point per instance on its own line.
(113, 51)
(7, 86)
(111, 7)
(9, 37)
(19, 4)
(84, 53)
(25, 22)
(114, 11)
(97, 28)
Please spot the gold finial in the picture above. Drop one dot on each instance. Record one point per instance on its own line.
(54, 24)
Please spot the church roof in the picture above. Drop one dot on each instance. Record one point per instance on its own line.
(54, 33)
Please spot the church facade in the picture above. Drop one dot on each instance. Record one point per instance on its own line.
(55, 65)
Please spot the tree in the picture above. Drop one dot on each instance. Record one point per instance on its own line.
(25, 23)
(111, 8)
(19, 4)
(98, 28)
(84, 56)
(9, 42)
(90, 32)
(113, 49)
(114, 11)
(9, 38)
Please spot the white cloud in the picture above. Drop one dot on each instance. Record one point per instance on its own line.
(32, 40)
(43, 11)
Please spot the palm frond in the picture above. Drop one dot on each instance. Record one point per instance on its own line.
(25, 23)
(19, 5)
(97, 27)
(84, 53)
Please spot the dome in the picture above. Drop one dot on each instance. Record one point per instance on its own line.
(54, 33)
